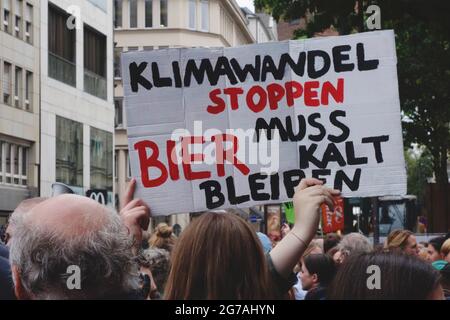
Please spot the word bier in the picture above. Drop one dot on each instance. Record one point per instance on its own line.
(222, 155)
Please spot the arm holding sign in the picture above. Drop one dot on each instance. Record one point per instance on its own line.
(135, 215)
(309, 195)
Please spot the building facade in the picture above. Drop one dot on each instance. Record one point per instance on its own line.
(77, 108)
(262, 26)
(56, 98)
(19, 102)
(159, 24)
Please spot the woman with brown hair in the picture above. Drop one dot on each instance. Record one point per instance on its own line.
(386, 276)
(219, 256)
(163, 238)
(402, 241)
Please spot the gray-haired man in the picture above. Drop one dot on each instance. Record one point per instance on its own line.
(70, 236)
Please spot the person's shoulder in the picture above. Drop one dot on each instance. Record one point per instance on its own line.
(4, 251)
(318, 293)
(6, 287)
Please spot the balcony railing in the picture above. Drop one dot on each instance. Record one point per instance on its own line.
(62, 69)
(95, 84)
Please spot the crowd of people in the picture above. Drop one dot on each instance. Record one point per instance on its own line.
(218, 256)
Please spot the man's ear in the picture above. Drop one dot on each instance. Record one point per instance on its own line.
(19, 290)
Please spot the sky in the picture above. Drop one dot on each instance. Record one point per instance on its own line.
(246, 3)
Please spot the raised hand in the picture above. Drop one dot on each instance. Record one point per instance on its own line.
(135, 214)
(309, 195)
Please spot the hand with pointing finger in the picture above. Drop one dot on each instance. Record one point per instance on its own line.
(135, 214)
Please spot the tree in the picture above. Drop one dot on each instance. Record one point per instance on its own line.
(423, 49)
(342, 14)
(424, 83)
(419, 167)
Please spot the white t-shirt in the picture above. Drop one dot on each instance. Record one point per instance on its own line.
(300, 294)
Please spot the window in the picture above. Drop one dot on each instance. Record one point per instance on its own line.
(117, 71)
(8, 157)
(118, 13)
(17, 27)
(13, 164)
(148, 48)
(118, 107)
(128, 166)
(29, 23)
(18, 20)
(15, 155)
(23, 174)
(61, 47)
(133, 48)
(69, 152)
(294, 22)
(205, 15)
(133, 13)
(163, 17)
(18, 88)
(95, 63)
(226, 26)
(7, 15)
(7, 82)
(116, 164)
(29, 91)
(148, 13)
(101, 159)
(192, 13)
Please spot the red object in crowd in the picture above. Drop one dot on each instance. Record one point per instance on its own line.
(333, 221)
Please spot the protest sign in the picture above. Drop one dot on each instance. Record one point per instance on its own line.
(236, 127)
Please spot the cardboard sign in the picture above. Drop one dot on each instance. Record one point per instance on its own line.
(237, 127)
(333, 221)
